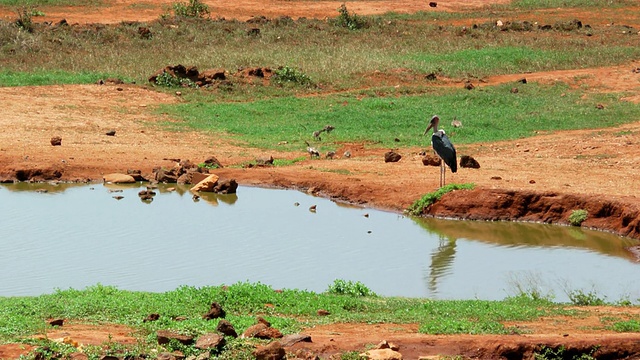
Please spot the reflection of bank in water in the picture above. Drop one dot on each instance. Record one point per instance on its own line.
(535, 244)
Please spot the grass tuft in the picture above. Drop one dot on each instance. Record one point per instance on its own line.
(418, 206)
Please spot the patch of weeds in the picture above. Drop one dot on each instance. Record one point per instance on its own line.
(287, 162)
(336, 171)
(561, 353)
(171, 81)
(577, 217)
(192, 9)
(25, 15)
(418, 206)
(349, 21)
(208, 166)
(579, 297)
(352, 355)
(348, 287)
(623, 133)
(626, 326)
(287, 75)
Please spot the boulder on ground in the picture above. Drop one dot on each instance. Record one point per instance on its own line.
(118, 178)
(206, 185)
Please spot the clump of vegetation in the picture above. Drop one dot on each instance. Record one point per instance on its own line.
(192, 9)
(579, 297)
(169, 80)
(288, 75)
(25, 15)
(577, 217)
(430, 198)
(349, 21)
(548, 353)
(626, 326)
(348, 287)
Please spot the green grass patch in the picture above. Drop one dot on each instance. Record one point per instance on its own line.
(488, 114)
(418, 206)
(555, 4)
(289, 310)
(632, 325)
(19, 78)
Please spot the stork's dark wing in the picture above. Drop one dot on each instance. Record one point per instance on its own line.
(445, 149)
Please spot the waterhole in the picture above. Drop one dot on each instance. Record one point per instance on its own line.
(59, 236)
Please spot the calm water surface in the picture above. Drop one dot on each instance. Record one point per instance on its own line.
(77, 236)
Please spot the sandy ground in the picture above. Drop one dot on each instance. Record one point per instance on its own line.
(599, 163)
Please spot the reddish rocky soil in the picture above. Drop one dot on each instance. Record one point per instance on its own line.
(537, 179)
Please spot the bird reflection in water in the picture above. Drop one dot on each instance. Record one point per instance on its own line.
(441, 262)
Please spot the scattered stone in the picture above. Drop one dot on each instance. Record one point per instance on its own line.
(226, 328)
(78, 356)
(433, 4)
(136, 174)
(469, 86)
(111, 357)
(323, 312)
(272, 351)
(600, 107)
(264, 161)
(56, 322)
(382, 354)
(456, 123)
(347, 154)
(151, 317)
(195, 197)
(146, 193)
(215, 311)
(226, 186)
(206, 185)
(514, 90)
(56, 141)
(163, 356)
(253, 32)
(145, 33)
(212, 162)
(262, 320)
(431, 77)
(523, 80)
(467, 161)
(532, 181)
(313, 208)
(118, 179)
(210, 341)
(164, 336)
(391, 156)
(431, 160)
(205, 78)
(384, 344)
(496, 178)
(166, 176)
(118, 197)
(291, 339)
(110, 133)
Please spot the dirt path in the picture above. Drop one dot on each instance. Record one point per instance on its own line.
(600, 166)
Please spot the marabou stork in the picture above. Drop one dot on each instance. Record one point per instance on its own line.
(443, 147)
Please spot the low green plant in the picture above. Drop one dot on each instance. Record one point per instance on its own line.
(25, 21)
(632, 325)
(288, 75)
(192, 9)
(348, 287)
(561, 353)
(577, 217)
(349, 21)
(418, 206)
(581, 298)
(169, 80)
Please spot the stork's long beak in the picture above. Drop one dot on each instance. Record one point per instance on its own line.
(427, 129)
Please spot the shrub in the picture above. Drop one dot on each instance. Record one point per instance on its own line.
(287, 75)
(349, 21)
(24, 21)
(193, 9)
(577, 217)
(580, 298)
(169, 80)
(342, 287)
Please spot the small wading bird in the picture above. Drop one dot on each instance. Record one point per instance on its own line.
(443, 147)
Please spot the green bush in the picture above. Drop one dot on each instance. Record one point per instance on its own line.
(169, 80)
(349, 21)
(577, 217)
(193, 9)
(288, 75)
(343, 287)
(580, 298)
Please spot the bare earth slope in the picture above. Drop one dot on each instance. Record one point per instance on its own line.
(551, 173)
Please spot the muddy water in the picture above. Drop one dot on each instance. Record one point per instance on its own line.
(76, 236)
